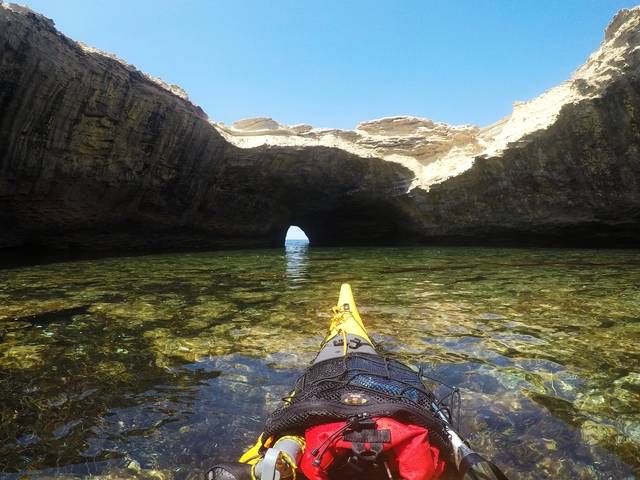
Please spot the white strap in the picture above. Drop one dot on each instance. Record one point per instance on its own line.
(269, 461)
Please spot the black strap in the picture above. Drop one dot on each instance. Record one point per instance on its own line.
(370, 454)
(476, 467)
(368, 436)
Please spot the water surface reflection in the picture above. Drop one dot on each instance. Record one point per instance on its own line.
(296, 252)
(154, 366)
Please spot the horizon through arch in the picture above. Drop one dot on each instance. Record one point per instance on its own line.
(296, 233)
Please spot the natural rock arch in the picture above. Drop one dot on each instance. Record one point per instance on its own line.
(96, 155)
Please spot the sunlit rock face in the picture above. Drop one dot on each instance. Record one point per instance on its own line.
(95, 154)
(436, 151)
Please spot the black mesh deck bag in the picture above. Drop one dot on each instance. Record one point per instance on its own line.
(386, 388)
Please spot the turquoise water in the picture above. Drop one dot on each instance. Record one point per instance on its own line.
(157, 366)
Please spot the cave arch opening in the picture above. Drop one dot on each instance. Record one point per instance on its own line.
(295, 234)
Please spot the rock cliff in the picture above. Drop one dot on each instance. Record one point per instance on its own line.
(95, 154)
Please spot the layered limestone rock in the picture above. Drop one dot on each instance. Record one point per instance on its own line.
(434, 151)
(95, 154)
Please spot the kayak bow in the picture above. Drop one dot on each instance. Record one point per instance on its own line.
(277, 454)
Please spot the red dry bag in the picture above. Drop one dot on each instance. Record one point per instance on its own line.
(403, 449)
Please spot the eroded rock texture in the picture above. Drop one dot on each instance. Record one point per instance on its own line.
(97, 155)
(94, 154)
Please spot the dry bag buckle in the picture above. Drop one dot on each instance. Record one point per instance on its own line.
(363, 433)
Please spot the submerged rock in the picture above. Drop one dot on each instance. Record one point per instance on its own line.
(63, 315)
(94, 154)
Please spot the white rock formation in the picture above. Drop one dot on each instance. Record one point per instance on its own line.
(433, 150)
(436, 151)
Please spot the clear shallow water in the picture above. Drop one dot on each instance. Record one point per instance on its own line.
(156, 366)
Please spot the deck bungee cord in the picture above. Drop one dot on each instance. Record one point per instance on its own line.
(356, 414)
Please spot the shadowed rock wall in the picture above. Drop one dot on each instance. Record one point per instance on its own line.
(93, 154)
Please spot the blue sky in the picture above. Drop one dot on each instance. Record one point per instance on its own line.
(333, 63)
